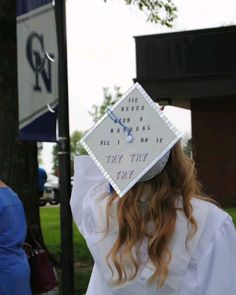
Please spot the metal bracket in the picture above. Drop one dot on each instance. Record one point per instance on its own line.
(62, 145)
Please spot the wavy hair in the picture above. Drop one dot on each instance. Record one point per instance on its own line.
(159, 208)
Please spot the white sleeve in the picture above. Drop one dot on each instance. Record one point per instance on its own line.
(216, 272)
(86, 176)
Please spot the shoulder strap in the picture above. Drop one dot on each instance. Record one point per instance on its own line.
(34, 238)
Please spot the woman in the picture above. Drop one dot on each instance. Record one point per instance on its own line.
(14, 268)
(162, 237)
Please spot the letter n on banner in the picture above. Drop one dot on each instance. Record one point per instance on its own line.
(37, 54)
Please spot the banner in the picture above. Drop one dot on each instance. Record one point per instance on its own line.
(37, 55)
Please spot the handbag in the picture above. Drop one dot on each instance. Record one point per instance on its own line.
(42, 272)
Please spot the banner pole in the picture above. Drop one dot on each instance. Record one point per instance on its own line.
(67, 262)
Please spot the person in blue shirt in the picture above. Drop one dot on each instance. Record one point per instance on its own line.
(42, 178)
(14, 267)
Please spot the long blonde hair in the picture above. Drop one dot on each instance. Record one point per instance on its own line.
(178, 178)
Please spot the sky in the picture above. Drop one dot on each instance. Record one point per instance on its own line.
(101, 52)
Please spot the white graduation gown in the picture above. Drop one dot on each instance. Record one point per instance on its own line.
(207, 267)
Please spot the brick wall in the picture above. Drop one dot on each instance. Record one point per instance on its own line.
(214, 146)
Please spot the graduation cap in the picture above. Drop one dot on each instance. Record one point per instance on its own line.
(132, 141)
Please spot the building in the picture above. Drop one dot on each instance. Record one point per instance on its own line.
(197, 70)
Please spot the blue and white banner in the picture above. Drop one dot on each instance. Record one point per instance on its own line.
(37, 54)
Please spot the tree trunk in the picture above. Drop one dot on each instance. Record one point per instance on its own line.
(18, 160)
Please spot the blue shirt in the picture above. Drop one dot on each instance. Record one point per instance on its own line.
(14, 268)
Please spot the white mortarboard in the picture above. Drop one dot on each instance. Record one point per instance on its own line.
(131, 138)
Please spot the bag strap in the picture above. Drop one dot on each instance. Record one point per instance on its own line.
(34, 238)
